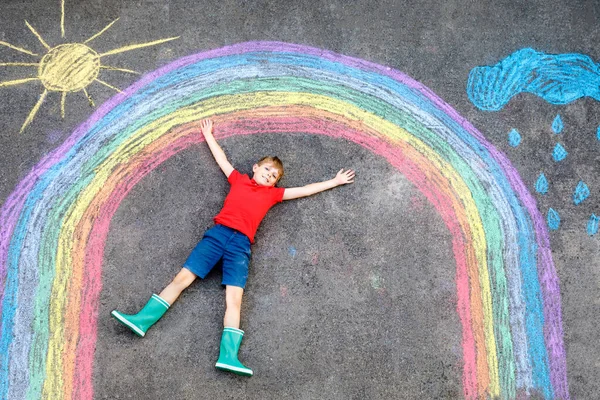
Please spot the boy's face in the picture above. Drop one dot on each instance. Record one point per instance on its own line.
(265, 174)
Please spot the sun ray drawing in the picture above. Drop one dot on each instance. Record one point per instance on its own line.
(68, 67)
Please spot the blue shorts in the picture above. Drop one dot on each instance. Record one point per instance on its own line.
(221, 242)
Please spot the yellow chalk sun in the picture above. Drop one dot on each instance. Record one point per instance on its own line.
(69, 67)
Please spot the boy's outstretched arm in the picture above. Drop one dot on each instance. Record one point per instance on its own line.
(214, 147)
(342, 178)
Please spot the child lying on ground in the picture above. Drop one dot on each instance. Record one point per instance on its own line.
(235, 226)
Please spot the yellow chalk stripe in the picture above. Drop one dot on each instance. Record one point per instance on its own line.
(119, 69)
(230, 104)
(62, 18)
(137, 46)
(34, 111)
(89, 98)
(63, 99)
(18, 64)
(18, 82)
(10, 46)
(107, 85)
(37, 35)
(101, 32)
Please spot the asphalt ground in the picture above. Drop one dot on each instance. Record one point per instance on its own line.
(351, 292)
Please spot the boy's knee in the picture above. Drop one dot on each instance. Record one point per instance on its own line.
(233, 296)
(184, 278)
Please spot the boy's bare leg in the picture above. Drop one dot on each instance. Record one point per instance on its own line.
(182, 280)
(233, 301)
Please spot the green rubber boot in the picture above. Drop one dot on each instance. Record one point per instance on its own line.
(228, 357)
(139, 323)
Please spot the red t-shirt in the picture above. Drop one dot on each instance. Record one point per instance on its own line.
(247, 204)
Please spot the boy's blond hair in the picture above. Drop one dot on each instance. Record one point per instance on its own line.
(276, 163)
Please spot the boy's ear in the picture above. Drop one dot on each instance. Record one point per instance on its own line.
(254, 167)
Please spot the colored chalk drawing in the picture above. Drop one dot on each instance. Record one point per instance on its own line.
(557, 124)
(559, 153)
(592, 225)
(541, 185)
(68, 68)
(56, 222)
(292, 251)
(581, 192)
(553, 219)
(557, 78)
(514, 138)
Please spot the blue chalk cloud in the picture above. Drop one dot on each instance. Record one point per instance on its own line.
(557, 78)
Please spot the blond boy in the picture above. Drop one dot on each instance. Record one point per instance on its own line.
(245, 206)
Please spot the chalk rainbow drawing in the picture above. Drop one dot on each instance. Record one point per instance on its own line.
(68, 67)
(55, 223)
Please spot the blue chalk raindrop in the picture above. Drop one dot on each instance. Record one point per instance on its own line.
(598, 133)
(592, 225)
(559, 153)
(514, 138)
(553, 219)
(581, 192)
(292, 251)
(557, 125)
(541, 185)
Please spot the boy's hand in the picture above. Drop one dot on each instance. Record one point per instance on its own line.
(206, 125)
(344, 177)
